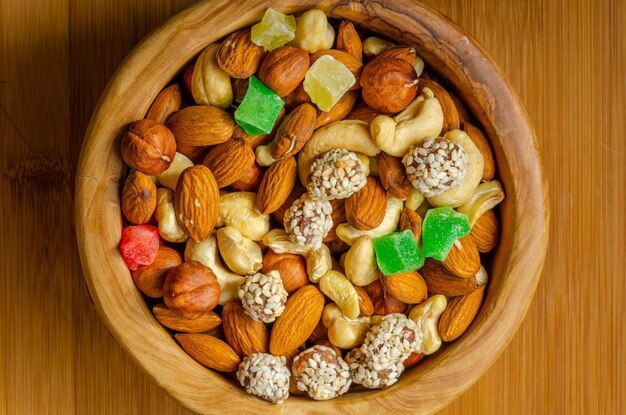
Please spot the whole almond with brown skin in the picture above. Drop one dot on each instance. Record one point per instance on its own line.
(464, 115)
(451, 119)
(165, 104)
(410, 220)
(244, 335)
(408, 287)
(191, 289)
(298, 97)
(150, 278)
(459, 314)
(250, 180)
(339, 111)
(302, 313)
(196, 202)
(389, 84)
(209, 351)
(348, 40)
(482, 143)
(393, 176)
(413, 359)
(366, 306)
(201, 125)
(364, 113)
(463, 260)
(171, 320)
(277, 184)
(292, 269)
(384, 302)
(404, 52)
(238, 56)
(229, 161)
(366, 208)
(353, 64)
(297, 192)
(486, 232)
(295, 130)
(148, 147)
(283, 69)
(441, 281)
(138, 198)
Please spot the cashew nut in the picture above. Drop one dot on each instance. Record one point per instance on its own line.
(169, 228)
(239, 209)
(352, 135)
(210, 85)
(349, 234)
(415, 199)
(463, 192)
(278, 240)
(205, 252)
(337, 287)
(423, 118)
(344, 332)
(263, 156)
(169, 178)
(318, 262)
(241, 255)
(373, 46)
(486, 196)
(313, 32)
(426, 315)
(360, 262)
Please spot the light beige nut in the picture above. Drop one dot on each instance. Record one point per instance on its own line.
(373, 46)
(278, 240)
(360, 262)
(389, 224)
(415, 199)
(318, 262)
(313, 32)
(344, 332)
(486, 196)
(340, 290)
(169, 228)
(206, 253)
(241, 255)
(239, 209)
(426, 315)
(418, 64)
(210, 85)
(169, 178)
(263, 155)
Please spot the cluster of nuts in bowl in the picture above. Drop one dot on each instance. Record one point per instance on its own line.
(311, 208)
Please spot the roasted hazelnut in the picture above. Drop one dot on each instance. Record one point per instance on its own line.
(148, 146)
(389, 84)
(191, 289)
(292, 269)
(384, 303)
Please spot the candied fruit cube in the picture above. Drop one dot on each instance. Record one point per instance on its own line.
(397, 252)
(139, 245)
(441, 228)
(275, 30)
(259, 109)
(326, 82)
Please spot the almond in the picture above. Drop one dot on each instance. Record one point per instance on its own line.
(412, 360)
(353, 64)
(292, 269)
(409, 219)
(298, 97)
(277, 185)
(450, 115)
(244, 335)
(441, 281)
(464, 115)
(408, 287)
(486, 232)
(463, 260)
(339, 111)
(201, 125)
(348, 40)
(283, 69)
(295, 130)
(138, 198)
(459, 314)
(238, 56)
(365, 302)
(366, 208)
(196, 202)
(173, 321)
(250, 180)
(302, 313)
(389, 84)
(209, 351)
(150, 278)
(363, 112)
(165, 104)
(477, 136)
(404, 52)
(393, 176)
(384, 302)
(229, 161)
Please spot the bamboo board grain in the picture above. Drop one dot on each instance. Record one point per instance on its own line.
(566, 59)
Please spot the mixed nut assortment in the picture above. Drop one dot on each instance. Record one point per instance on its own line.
(311, 217)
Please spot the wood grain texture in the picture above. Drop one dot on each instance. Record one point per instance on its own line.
(566, 59)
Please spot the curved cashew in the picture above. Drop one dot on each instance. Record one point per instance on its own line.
(486, 196)
(426, 315)
(373, 46)
(360, 262)
(210, 85)
(205, 252)
(344, 332)
(476, 163)
(352, 135)
(313, 32)
(278, 240)
(349, 234)
(169, 178)
(169, 228)
(263, 156)
(337, 287)
(238, 209)
(423, 118)
(241, 255)
(318, 262)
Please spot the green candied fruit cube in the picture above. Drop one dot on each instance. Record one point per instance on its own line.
(397, 252)
(275, 30)
(259, 109)
(441, 228)
(326, 81)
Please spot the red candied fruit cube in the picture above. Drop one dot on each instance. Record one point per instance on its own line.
(139, 245)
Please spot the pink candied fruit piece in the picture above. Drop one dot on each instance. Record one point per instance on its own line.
(139, 245)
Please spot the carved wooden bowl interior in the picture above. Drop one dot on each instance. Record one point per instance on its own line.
(516, 264)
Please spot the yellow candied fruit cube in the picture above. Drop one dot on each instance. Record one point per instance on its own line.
(326, 82)
(275, 30)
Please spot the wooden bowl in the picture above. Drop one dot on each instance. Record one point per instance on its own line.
(517, 262)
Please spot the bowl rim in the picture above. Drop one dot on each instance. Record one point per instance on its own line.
(456, 56)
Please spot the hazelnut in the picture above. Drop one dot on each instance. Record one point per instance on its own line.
(384, 303)
(139, 198)
(292, 269)
(191, 289)
(150, 278)
(148, 146)
(389, 84)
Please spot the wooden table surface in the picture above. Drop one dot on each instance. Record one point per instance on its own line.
(565, 58)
